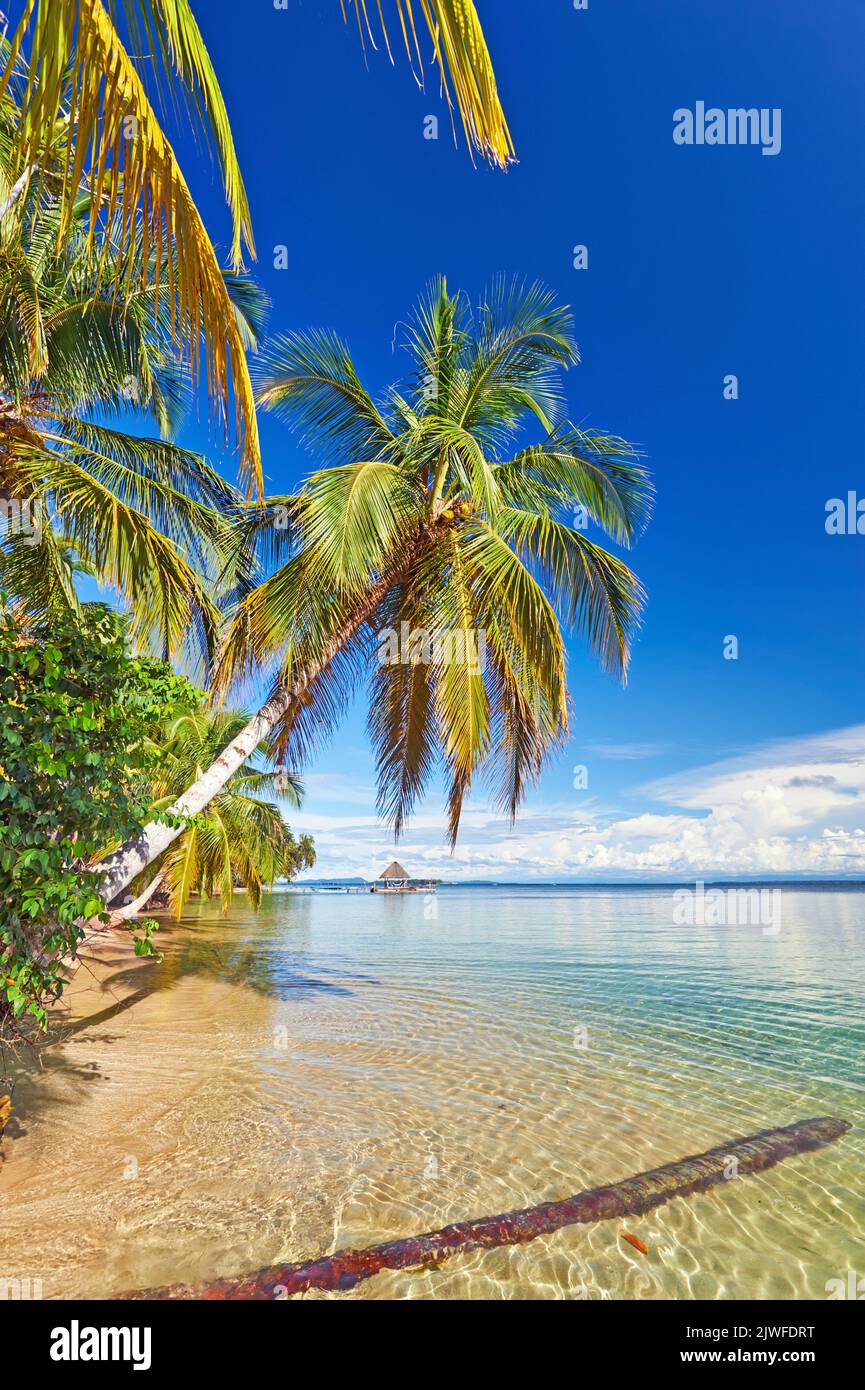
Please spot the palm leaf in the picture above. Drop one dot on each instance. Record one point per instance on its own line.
(170, 604)
(353, 518)
(43, 567)
(461, 54)
(23, 347)
(598, 594)
(182, 869)
(310, 380)
(462, 700)
(524, 337)
(169, 27)
(77, 62)
(272, 782)
(403, 722)
(577, 467)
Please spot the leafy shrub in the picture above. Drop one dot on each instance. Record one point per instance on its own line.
(77, 710)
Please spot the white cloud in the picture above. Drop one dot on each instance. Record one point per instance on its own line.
(791, 808)
(626, 751)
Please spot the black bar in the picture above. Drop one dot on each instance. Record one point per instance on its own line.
(626, 1339)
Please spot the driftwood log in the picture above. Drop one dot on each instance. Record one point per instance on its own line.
(631, 1197)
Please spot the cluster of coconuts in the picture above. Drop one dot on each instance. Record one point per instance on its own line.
(462, 509)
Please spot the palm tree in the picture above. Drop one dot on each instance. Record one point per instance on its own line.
(78, 366)
(428, 512)
(78, 116)
(242, 841)
(77, 112)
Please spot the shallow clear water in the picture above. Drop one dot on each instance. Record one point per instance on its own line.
(344, 1069)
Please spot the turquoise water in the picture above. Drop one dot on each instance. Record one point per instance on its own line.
(344, 1069)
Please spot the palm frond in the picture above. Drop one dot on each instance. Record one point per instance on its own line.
(262, 536)
(169, 27)
(462, 700)
(176, 490)
(310, 380)
(182, 869)
(461, 54)
(353, 518)
(172, 611)
(278, 782)
(403, 721)
(435, 337)
(523, 340)
(598, 594)
(582, 468)
(250, 305)
(94, 356)
(316, 715)
(43, 566)
(80, 75)
(23, 348)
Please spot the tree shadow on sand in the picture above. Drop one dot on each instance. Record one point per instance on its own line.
(270, 970)
(273, 971)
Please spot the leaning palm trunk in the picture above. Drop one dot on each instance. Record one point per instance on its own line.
(138, 904)
(131, 859)
(126, 863)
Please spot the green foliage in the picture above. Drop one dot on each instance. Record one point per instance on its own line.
(83, 369)
(241, 840)
(76, 766)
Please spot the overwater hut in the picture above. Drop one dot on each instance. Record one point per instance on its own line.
(395, 879)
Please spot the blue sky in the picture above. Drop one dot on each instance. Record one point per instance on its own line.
(703, 261)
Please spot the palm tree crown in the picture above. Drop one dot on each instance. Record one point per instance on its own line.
(85, 127)
(432, 514)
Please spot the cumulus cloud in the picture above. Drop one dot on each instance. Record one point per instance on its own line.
(793, 808)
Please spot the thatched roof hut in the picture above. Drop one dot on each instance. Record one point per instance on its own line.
(394, 873)
(396, 879)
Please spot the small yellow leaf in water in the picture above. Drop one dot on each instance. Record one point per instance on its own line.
(636, 1242)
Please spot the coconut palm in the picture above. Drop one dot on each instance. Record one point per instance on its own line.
(81, 117)
(78, 111)
(79, 369)
(431, 509)
(242, 840)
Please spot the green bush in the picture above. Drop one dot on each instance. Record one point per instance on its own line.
(77, 711)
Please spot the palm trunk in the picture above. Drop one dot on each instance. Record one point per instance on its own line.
(16, 190)
(131, 859)
(124, 914)
(126, 863)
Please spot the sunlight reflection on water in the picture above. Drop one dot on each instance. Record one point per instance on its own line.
(342, 1070)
